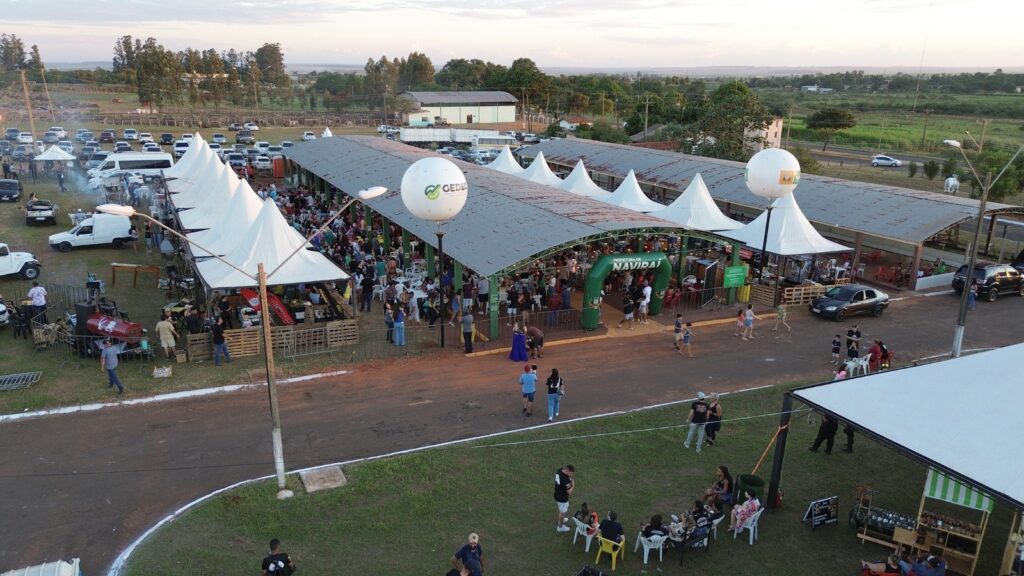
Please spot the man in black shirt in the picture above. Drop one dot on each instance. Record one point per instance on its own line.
(610, 528)
(698, 419)
(278, 563)
(564, 485)
(853, 340)
(826, 433)
(367, 287)
(220, 346)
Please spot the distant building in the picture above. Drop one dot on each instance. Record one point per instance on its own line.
(770, 137)
(433, 108)
(573, 122)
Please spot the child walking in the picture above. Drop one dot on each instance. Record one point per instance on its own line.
(837, 344)
(739, 323)
(687, 337)
(780, 317)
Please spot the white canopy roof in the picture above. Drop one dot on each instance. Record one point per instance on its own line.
(923, 410)
(579, 182)
(269, 241)
(234, 221)
(184, 165)
(539, 172)
(208, 201)
(789, 232)
(695, 209)
(54, 153)
(191, 169)
(327, 133)
(630, 195)
(506, 163)
(218, 181)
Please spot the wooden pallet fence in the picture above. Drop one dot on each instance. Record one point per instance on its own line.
(199, 347)
(243, 342)
(342, 333)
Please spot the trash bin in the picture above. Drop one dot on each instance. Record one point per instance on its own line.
(278, 164)
(749, 482)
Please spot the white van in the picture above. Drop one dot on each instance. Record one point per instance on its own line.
(97, 230)
(148, 163)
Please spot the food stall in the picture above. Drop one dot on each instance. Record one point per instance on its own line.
(951, 522)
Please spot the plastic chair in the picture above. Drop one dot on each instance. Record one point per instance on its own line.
(750, 525)
(583, 530)
(854, 365)
(615, 549)
(714, 526)
(653, 543)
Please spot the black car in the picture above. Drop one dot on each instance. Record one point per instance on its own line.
(86, 152)
(844, 300)
(11, 134)
(5, 147)
(993, 280)
(108, 136)
(10, 190)
(166, 138)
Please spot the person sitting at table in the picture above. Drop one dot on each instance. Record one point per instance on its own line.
(743, 512)
(653, 528)
(588, 517)
(891, 566)
(610, 527)
(720, 492)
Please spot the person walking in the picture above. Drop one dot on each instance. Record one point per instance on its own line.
(677, 332)
(780, 317)
(972, 295)
(37, 294)
(714, 420)
(826, 433)
(220, 345)
(108, 362)
(739, 323)
(849, 431)
(627, 311)
(556, 389)
(687, 337)
(277, 563)
(165, 330)
(837, 344)
(60, 180)
(748, 322)
(389, 322)
(528, 385)
(399, 335)
(469, 560)
(565, 483)
(697, 420)
(467, 330)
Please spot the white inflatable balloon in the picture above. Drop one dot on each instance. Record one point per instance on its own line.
(772, 173)
(434, 189)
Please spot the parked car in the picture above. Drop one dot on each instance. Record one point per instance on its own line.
(22, 263)
(61, 132)
(122, 146)
(94, 143)
(845, 300)
(237, 160)
(11, 190)
(22, 152)
(86, 136)
(180, 147)
(97, 230)
(145, 137)
(235, 126)
(994, 280)
(186, 136)
(108, 135)
(308, 135)
(166, 138)
(50, 137)
(96, 159)
(287, 143)
(25, 138)
(274, 151)
(883, 160)
(251, 126)
(5, 147)
(245, 137)
(216, 148)
(240, 148)
(86, 152)
(219, 138)
(41, 211)
(131, 134)
(151, 147)
(11, 134)
(262, 163)
(67, 146)
(78, 134)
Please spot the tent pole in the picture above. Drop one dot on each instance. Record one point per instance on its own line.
(735, 262)
(780, 452)
(764, 245)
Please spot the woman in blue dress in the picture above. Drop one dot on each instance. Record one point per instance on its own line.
(518, 353)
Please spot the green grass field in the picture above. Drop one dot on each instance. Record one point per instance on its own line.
(408, 514)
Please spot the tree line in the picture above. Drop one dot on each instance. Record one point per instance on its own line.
(996, 82)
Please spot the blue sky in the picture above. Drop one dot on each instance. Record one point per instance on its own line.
(579, 33)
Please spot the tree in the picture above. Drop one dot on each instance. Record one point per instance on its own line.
(729, 124)
(462, 74)
(416, 70)
(912, 169)
(808, 163)
(829, 121)
(159, 74)
(12, 52)
(949, 165)
(524, 79)
(35, 61)
(931, 169)
(992, 162)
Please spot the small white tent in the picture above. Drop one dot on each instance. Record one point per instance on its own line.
(579, 182)
(269, 241)
(506, 163)
(630, 195)
(696, 210)
(234, 222)
(539, 172)
(54, 154)
(327, 133)
(789, 234)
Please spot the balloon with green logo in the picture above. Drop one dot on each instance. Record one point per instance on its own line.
(434, 189)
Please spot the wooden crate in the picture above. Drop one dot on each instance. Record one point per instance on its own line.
(199, 346)
(802, 294)
(342, 333)
(243, 342)
(762, 294)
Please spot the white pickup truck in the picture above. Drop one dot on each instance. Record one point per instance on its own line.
(18, 263)
(41, 211)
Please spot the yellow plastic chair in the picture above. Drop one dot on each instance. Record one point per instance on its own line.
(615, 549)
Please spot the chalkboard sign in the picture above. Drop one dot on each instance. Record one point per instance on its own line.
(824, 511)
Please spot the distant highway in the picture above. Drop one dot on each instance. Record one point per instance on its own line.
(861, 156)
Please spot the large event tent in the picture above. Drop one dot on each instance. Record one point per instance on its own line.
(217, 181)
(269, 241)
(184, 165)
(789, 234)
(630, 195)
(54, 154)
(236, 217)
(579, 182)
(539, 172)
(695, 209)
(506, 163)
(210, 202)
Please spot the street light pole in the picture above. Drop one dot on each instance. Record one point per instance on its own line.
(440, 267)
(764, 243)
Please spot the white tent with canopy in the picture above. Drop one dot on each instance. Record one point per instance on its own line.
(630, 195)
(233, 221)
(790, 233)
(184, 165)
(696, 210)
(539, 172)
(217, 183)
(269, 241)
(208, 202)
(54, 154)
(506, 163)
(579, 182)
(327, 133)
(200, 166)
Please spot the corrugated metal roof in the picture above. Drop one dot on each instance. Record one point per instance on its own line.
(901, 214)
(506, 220)
(477, 97)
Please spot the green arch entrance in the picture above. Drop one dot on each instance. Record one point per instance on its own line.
(624, 262)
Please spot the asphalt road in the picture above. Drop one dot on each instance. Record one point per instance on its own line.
(86, 485)
(859, 155)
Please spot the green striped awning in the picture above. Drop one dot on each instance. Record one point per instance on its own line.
(942, 487)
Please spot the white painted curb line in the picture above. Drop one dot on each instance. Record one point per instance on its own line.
(159, 398)
(122, 558)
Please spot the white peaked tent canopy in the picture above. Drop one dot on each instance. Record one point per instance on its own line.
(269, 241)
(327, 133)
(191, 166)
(218, 180)
(55, 154)
(789, 233)
(184, 165)
(540, 173)
(205, 169)
(209, 202)
(234, 221)
(506, 163)
(629, 195)
(695, 209)
(579, 182)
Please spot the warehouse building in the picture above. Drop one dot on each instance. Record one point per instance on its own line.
(440, 108)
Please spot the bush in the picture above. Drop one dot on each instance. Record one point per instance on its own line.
(949, 165)
(931, 169)
(912, 169)
(808, 164)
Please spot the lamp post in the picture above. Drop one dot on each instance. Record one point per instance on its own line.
(435, 189)
(972, 250)
(772, 173)
(261, 280)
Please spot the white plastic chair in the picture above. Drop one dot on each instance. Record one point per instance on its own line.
(750, 525)
(652, 543)
(714, 526)
(854, 365)
(582, 530)
(378, 292)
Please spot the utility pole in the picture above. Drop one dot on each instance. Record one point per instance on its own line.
(28, 106)
(972, 254)
(42, 72)
(647, 108)
(984, 126)
(789, 124)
